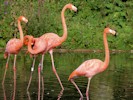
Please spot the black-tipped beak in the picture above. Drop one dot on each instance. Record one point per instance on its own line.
(116, 34)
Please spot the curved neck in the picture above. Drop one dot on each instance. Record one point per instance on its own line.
(106, 61)
(20, 31)
(30, 49)
(63, 38)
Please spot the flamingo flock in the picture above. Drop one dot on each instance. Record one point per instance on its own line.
(46, 43)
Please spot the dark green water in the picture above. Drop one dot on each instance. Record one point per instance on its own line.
(116, 83)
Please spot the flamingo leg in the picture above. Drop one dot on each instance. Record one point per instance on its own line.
(60, 95)
(54, 70)
(87, 89)
(28, 93)
(32, 69)
(14, 68)
(42, 76)
(6, 69)
(81, 95)
(39, 71)
(42, 62)
(42, 88)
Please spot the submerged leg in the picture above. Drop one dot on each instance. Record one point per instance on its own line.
(42, 76)
(39, 71)
(28, 93)
(81, 95)
(42, 62)
(32, 69)
(60, 95)
(6, 69)
(42, 88)
(87, 89)
(54, 70)
(14, 68)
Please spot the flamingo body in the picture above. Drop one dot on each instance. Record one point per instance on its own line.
(36, 46)
(53, 40)
(92, 67)
(39, 46)
(88, 68)
(13, 46)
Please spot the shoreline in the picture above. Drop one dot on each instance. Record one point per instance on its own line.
(82, 50)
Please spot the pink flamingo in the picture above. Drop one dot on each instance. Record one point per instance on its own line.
(36, 46)
(54, 40)
(92, 67)
(13, 47)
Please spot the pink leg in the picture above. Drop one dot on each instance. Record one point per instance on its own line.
(54, 70)
(28, 93)
(60, 94)
(81, 95)
(32, 69)
(6, 69)
(42, 88)
(14, 68)
(87, 89)
(42, 76)
(39, 71)
(42, 62)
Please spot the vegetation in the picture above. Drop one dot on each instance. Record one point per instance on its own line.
(84, 27)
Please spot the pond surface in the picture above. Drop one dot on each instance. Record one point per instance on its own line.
(116, 83)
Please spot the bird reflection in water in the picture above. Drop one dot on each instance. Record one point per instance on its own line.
(14, 91)
(4, 91)
(60, 94)
(40, 79)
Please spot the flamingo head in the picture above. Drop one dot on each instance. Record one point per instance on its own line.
(27, 38)
(73, 75)
(108, 30)
(22, 18)
(72, 7)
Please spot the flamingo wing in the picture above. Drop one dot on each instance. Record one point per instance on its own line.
(13, 46)
(52, 39)
(40, 45)
(90, 67)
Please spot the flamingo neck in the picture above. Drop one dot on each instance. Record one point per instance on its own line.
(63, 38)
(30, 49)
(107, 57)
(20, 31)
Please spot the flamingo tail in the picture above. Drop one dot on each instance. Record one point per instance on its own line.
(5, 55)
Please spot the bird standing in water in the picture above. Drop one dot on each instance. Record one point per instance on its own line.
(13, 46)
(92, 67)
(36, 46)
(54, 40)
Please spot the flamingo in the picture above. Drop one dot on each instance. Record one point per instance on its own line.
(13, 46)
(89, 68)
(39, 47)
(54, 40)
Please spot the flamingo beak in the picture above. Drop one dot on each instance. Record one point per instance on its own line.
(115, 34)
(74, 8)
(26, 21)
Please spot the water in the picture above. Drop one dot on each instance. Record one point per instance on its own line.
(116, 83)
